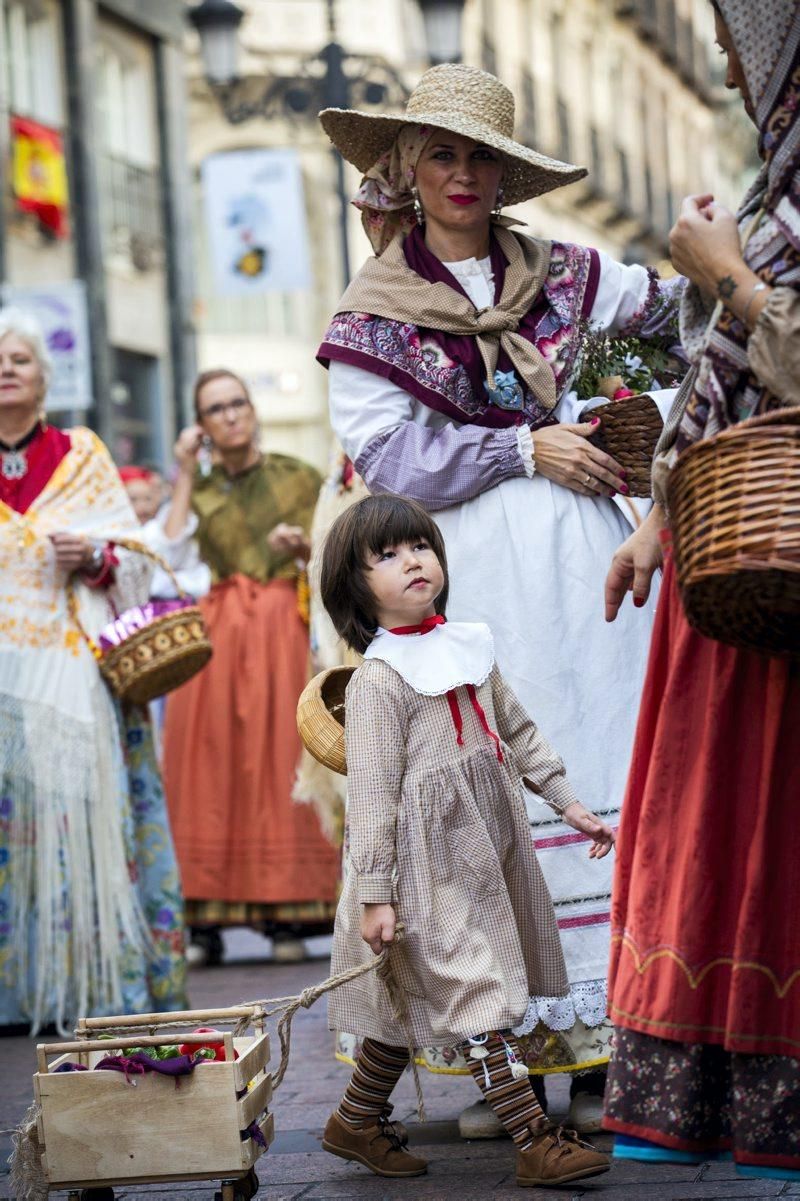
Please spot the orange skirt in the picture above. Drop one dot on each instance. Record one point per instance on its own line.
(231, 749)
(705, 937)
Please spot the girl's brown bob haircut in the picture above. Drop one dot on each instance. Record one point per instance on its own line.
(370, 525)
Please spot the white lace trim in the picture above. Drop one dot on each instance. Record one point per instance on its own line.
(525, 447)
(587, 1000)
(447, 657)
(476, 278)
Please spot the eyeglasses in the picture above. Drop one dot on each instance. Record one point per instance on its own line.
(236, 406)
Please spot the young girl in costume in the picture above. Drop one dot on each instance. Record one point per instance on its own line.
(437, 746)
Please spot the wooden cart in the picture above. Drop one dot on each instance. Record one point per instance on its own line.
(98, 1130)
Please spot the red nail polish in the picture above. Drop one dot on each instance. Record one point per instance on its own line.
(624, 489)
(613, 493)
(623, 474)
(595, 421)
(638, 602)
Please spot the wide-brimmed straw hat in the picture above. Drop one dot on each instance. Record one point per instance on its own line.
(463, 100)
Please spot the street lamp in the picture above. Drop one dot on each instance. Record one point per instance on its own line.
(217, 22)
(443, 19)
(333, 78)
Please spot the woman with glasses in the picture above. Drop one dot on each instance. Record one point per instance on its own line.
(248, 854)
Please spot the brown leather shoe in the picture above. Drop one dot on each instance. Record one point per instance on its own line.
(556, 1157)
(381, 1148)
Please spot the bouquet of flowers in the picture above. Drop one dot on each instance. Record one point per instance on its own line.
(620, 366)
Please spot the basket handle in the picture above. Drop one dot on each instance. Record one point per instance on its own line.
(123, 1044)
(137, 548)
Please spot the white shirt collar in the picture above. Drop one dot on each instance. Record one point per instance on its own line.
(447, 657)
(477, 280)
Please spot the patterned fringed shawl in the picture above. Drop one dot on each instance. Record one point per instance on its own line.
(725, 391)
(74, 907)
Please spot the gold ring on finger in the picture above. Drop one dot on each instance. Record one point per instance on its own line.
(588, 479)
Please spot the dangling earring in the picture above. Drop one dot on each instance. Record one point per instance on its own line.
(204, 456)
(418, 210)
(500, 200)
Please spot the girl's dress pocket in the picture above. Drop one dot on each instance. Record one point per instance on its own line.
(477, 861)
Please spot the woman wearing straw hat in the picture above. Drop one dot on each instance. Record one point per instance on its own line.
(450, 362)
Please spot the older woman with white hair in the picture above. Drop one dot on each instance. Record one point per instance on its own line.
(89, 892)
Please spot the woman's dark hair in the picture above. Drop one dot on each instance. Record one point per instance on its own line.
(370, 525)
(206, 377)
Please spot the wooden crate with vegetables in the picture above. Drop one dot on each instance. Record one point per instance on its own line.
(200, 1112)
(166, 1097)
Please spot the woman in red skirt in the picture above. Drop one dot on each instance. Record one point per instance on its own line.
(248, 854)
(705, 965)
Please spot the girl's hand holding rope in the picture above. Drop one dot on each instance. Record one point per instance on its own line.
(378, 925)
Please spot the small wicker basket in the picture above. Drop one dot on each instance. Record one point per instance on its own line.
(320, 717)
(734, 504)
(629, 431)
(159, 656)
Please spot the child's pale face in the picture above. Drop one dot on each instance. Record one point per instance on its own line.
(143, 495)
(405, 581)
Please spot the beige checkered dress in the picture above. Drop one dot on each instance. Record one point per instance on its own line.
(440, 830)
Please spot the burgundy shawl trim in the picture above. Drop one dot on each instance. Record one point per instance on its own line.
(445, 371)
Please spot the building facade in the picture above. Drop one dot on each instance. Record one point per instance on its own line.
(93, 94)
(629, 88)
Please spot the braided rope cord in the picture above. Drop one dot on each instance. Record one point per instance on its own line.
(287, 1007)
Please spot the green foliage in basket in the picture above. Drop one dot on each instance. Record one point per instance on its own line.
(642, 363)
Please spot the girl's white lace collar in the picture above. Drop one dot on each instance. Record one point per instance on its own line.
(447, 657)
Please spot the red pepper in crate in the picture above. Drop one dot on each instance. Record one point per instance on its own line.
(218, 1048)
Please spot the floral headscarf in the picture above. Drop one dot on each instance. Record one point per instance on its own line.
(724, 389)
(385, 197)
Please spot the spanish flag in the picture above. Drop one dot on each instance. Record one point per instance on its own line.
(39, 174)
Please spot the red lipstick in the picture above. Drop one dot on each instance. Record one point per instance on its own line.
(461, 198)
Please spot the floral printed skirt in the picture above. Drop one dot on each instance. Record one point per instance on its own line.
(160, 983)
(690, 1102)
(581, 1049)
(152, 982)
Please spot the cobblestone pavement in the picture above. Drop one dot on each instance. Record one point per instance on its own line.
(296, 1168)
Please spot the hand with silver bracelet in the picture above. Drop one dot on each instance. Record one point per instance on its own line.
(705, 246)
(74, 552)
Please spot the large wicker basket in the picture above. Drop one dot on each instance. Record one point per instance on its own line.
(158, 656)
(320, 717)
(734, 505)
(629, 431)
